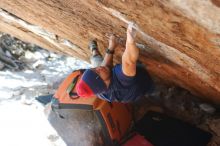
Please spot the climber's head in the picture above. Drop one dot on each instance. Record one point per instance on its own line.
(94, 81)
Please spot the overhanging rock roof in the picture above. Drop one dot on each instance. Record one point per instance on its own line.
(179, 40)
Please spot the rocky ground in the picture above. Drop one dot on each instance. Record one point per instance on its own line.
(27, 71)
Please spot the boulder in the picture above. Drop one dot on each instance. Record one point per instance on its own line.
(179, 40)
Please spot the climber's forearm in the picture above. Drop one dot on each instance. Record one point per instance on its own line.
(131, 53)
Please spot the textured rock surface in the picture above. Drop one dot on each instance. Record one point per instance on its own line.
(180, 39)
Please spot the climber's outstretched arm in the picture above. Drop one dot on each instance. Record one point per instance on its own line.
(131, 53)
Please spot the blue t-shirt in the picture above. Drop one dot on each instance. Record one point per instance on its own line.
(123, 88)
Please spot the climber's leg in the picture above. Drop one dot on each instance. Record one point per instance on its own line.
(96, 58)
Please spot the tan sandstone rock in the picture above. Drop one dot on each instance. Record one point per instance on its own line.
(179, 39)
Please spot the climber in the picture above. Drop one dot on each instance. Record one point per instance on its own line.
(125, 82)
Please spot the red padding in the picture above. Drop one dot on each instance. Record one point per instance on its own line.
(137, 140)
